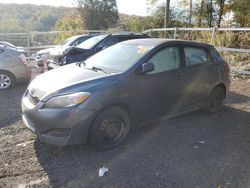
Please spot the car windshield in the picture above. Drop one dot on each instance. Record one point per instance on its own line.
(68, 41)
(117, 58)
(90, 43)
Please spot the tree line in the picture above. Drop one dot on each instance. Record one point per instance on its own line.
(23, 18)
(185, 13)
(103, 15)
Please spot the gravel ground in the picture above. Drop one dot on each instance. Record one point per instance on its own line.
(192, 150)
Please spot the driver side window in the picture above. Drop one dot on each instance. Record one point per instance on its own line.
(107, 43)
(165, 60)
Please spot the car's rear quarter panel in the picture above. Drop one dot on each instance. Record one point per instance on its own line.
(9, 61)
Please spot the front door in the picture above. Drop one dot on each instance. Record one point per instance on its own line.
(158, 92)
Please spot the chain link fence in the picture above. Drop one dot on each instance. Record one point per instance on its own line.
(32, 42)
(233, 43)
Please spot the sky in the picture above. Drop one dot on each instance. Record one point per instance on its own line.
(136, 7)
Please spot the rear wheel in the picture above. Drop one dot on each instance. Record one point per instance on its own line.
(7, 80)
(215, 100)
(110, 128)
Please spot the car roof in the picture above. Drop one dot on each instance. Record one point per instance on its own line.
(153, 42)
(5, 43)
(79, 36)
(6, 48)
(128, 34)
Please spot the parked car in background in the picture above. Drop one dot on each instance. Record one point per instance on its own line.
(137, 81)
(90, 47)
(43, 55)
(13, 68)
(9, 45)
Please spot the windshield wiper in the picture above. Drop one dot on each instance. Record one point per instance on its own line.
(81, 63)
(98, 69)
(94, 68)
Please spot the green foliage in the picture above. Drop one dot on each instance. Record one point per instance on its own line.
(156, 20)
(204, 13)
(23, 18)
(11, 25)
(98, 14)
(137, 23)
(67, 23)
(241, 9)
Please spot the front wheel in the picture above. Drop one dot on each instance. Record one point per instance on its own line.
(215, 100)
(110, 128)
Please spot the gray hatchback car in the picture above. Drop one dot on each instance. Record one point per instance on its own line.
(13, 68)
(133, 82)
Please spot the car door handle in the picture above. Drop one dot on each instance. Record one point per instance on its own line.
(180, 78)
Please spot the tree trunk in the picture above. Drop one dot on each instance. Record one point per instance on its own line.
(166, 22)
(222, 3)
(210, 13)
(201, 13)
(190, 12)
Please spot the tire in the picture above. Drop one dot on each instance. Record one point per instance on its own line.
(110, 128)
(7, 80)
(215, 100)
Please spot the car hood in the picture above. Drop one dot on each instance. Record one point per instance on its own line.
(45, 51)
(67, 79)
(73, 50)
(59, 50)
(62, 50)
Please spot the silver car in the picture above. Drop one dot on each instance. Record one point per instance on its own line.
(13, 68)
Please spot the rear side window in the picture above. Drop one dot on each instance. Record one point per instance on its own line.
(215, 55)
(195, 56)
(165, 60)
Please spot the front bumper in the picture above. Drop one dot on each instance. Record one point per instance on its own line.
(40, 62)
(66, 126)
(53, 64)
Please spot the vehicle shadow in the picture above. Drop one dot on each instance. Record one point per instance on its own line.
(233, 98)
(10, 102)
(192, 150)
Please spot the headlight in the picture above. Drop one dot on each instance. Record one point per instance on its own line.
(66, 101)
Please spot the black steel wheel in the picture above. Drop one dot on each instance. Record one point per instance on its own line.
(110, 128)
(215, 100)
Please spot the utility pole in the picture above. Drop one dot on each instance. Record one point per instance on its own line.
(166, 20)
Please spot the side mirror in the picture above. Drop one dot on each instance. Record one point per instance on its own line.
(147, 67)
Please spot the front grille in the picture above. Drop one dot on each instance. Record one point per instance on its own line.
(33, 100)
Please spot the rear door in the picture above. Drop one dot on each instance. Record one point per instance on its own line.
(199, 73)
(160, 90)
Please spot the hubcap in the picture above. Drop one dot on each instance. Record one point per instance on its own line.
(112, 129)
(5, 81)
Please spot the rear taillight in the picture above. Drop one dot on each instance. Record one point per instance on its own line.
(22, 59)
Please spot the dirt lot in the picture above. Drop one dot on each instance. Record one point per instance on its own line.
(193, 150)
